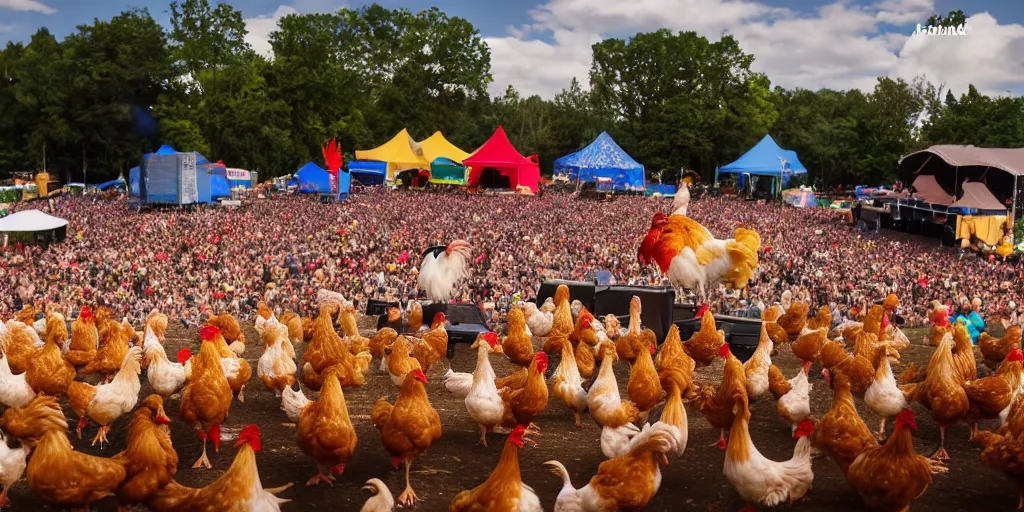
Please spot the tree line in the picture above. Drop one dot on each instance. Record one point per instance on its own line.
(93, 103)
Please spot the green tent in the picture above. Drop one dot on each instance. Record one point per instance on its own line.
(444, 171)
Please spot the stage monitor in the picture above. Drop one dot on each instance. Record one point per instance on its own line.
(583, 291)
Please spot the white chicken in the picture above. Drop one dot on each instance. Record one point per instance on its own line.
(795, 405)
(105, 403)
(483, 401)
(381, 501)
(615, 442)
(293, 402)
(458, 383)
(14, 391)
(12, 466)
(276, 368)
(762, 481)
(884, 396)
(540, 320)
(166, 377)
(442, 268)
(756, 368)
(567, 383)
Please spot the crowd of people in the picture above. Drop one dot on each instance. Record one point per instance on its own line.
(284, 249)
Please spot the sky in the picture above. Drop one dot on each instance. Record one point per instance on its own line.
(539, 46)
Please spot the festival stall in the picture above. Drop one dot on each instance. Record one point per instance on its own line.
(765, 159)
(802, 197)
(444, 171)
(368, 172)
(498, 165)
(32, 226)
(397, 153)
(603, 159)
(312, 179)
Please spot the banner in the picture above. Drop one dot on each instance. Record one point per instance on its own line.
(238, 174)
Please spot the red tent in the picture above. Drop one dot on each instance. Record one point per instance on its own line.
(497, 153)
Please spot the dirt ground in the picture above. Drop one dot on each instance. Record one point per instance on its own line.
(455, 462)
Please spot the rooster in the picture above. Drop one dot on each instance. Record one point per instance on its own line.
(504, 490)
(690, 257)
(442, 267)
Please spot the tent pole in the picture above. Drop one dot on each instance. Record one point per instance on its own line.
(1013, 211)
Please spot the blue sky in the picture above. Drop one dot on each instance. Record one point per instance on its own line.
(539, 46)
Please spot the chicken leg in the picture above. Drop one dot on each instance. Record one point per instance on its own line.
(321, 476)
(5, 502)
(203, 461)
(408, 497)
(81, 424)
(101, 436)
(941, 454)
(881, 430)
(483, 436)
(721, 440)
(241, 395)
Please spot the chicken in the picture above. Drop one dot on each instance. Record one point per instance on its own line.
(22, 344)
(229, 329)
(628, 347)
(964, 364)
(690, 257)
(995, 350)
(14, 389)
(794, 319)
(884, 395)
(236, 368)
(540, 320)
(705, 344)
(48, 372)
(888, 477)
(808, 344)
(603, 399)
(84, 336)
(567, 384)
(325, 431)
(350, 331)
(276, 369)
(623, 483)
(440, 270)
(384, 337)
(718, 406)
(518, 345)
(206, 398)
(27, 315)
(770, 318)
(325, 350)
(755, 369)
(13, 461)
(525, 402)
(113, 348)
(238, 490)
(400, 363)
(675, 414)
(408, 427)
(105, 403)
(990, 396)
(795, 404)
(504, 490)
(644, 386)
(674, 365)
(942, 392)
(150, 460)
(64, 477)
(841, 434)
(612, 327)
(294, 323)
(483, 402)
(758, 479)
(29, 423)
(938, 317)
(432, 346)
(857, 368)
(414, 322)
(381, 501)
(874, 320)
(166, 377)
(263, 315)
(153, 333)
(821, 319)
(584, 355)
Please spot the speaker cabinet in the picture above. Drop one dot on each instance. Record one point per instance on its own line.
(742, 334)
(583, 291)
(656, 306)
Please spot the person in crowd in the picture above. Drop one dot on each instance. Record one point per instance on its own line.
(968, 314)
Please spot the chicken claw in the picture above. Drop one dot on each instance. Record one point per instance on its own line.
(241, 395)
(940, 454)
(937, 467)
(101, 437)
(203, 462)
(320, 477)
(408, 498)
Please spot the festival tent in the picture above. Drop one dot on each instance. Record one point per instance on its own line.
(368, 172)
(766, 158)
(436, 146)
(444, 171)
(165, 150)
(313, 179)
(107, 184)
(398, 153)
(133, 181)
(499, 162)
(34, 226)
(603, 158)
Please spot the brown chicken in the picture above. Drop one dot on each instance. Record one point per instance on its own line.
(1004, 451)
(524, 403)
(991, 395)
(114, 342)
(107, 402)
(995, 350)
(308, 328)
(577, 332)
(518, 345)
(857, 368)
(206, 397)
(644, 386)
(941, 392)
(778, 385)
(585, 360)
(770, 318)
(415, 319)
(808, 345)
(294, 323)
(21, 346)
(64, 477)
(504, 490)
(562, 323)
(718, 405)
(84, 337)
(628, 347)
(30, 422)
(384, 338)
(705, 345)
(841, 434)
(238, 379)
(27, 315)
(821, 320)
(349, 326)
(325, 350)
(325, 431)
(150, 460)
(606, 405)
(56, 327)
(964, 364)
(399, 362)
(48, 372)
(674, 365)
(407, 428)
(890, 476)
(230, 329)
(873, 320)
(432, 346)
(238, 490)
(795, 319)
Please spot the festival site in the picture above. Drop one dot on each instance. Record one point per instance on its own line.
(454, 256)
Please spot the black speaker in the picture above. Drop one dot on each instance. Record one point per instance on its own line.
(742, 334)
(583, 291)
(376, 307)
(656, 306)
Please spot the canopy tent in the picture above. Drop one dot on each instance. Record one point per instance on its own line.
(368, 172)
(107, 184)
(165, 150)
(977, 197)
(766, 158)
(444, 171)
(398, 153)
(30, 221)
(929, 190)
(239, 178)
(603, 158)
(503, 164)
(436, 146)
(312, 179)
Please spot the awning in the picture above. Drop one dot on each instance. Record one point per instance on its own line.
(30, 221)
(930, 191)
(1010, 160)
(977, 196)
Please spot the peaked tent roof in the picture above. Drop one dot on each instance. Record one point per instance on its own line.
(398, 152)
(765, 158)
(312, 178)
(165, 150)
(929, 190)
(436, 146)
(30, 221)
(977, 196)
(497, 152)
(603, 153)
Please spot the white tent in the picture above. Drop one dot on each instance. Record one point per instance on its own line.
(30, 221)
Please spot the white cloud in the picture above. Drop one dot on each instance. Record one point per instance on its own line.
(7, 28)
(840, 45)
(27, 5)
(260, 28)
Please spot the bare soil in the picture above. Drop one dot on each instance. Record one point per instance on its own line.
(455, 462)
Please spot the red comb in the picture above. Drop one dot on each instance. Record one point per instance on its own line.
(491, 338)
(184, 355)
(419, 375)
(906, 419)
(723, 350)
(1015, 355)
(251, 435)
(804, 429)
(516, 437)
(85, 312)
(209, 332)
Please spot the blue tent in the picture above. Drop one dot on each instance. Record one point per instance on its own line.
(166, 150)
(766, 158)
(368, 172)
(133, 181)
(601, 161)
(314, 180)
(107, 184)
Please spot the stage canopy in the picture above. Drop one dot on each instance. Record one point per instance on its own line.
(446, 172)
(499, 164)
(436, 146)
(368, 172)
(312, 179)
(603, 158)
(954, 167)
(30, 221)
(930, 191)
(766, 158)
(398, 153)
(977, 197)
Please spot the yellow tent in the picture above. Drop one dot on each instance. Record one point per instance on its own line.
(397, 152)
(437, 146)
